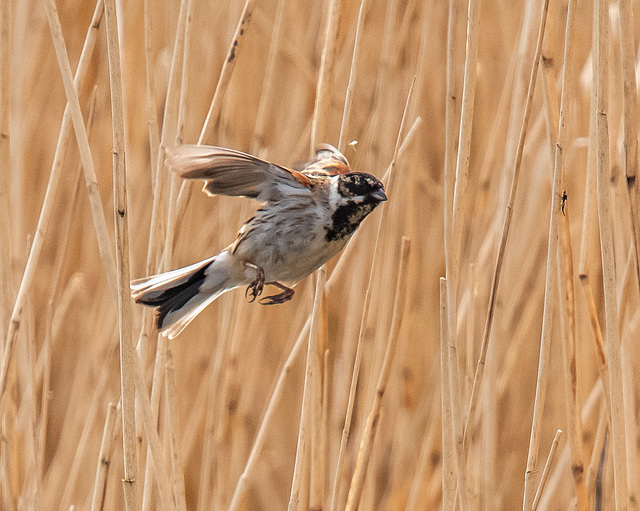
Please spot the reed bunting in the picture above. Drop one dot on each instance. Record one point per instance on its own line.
(306, 217)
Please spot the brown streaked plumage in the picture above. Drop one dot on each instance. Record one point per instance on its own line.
(307, 217)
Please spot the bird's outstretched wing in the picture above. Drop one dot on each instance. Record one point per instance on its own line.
(231, 172)
(327, 161)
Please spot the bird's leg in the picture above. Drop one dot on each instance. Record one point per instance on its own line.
(285, 296)
(255, 288)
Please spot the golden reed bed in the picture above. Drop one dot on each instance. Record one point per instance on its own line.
(525, 200)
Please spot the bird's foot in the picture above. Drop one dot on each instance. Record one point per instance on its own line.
(255, 288)
(285, 296)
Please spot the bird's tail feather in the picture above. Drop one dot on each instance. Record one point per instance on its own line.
(177, 295)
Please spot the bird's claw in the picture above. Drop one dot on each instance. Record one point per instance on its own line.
(255, 288)
(283, 297)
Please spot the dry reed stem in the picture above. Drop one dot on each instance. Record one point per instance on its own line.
(566, 292)
(209, 447)
(415, 502)
(225, 73)
(153, 126)
(104, 459)
(603, 368)
(324, 418)
(315, 423)
(598, 443)
(184, 85)
(630, 118)
(550, 94)
(154, 404)
(450, 142)
(449, 465)
(365, 310)
(457, 424)
(6, 257)
(348, 96)
(389, 38)
(371, 425)
(558, 475)
(268, 85)
(42, 366)
(240, 489)
(149, 422)
(552, 247)
(172, 426)
(613, 345)
(168, 138)
(73, 470)
(71, 87)
(45, 353)
(631, 428)
(546, 469)
(486, 336)
(72, 112)
(120, 210)
(463, 155)
(311, 390)
(325, 74)
(176, 214)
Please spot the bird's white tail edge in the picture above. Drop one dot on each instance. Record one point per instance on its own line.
(180, 295)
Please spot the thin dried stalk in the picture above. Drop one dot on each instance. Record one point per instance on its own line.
(449, 473)
(477, 380)
(240, 490)
(176, 214)
(327, 61)
(172, 426)
(369, 433)
(225, 73)
(552, 247)
(153, 125)
(603, 368)
(558, 475)
(630, 95)
(415, 501)
(348, 97)
(315, 423)
(598, 444)
(127, 350)
(149, 422)
(72, 112)
(310, 388)
(365, 311)
(546, 469)
(566, 292)
(618, 437)
(6, 257)
(262, 118)
(104, 459)
(464, 150)
(154, 459)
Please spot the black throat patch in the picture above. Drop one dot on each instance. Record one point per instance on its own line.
(347, 217)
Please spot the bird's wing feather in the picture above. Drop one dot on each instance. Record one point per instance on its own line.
(231, 172)
(327, 161)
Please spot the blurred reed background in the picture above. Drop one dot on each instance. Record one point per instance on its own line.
(538, 316)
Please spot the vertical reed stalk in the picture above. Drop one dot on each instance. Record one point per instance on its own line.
(613, 346)
(127, 351)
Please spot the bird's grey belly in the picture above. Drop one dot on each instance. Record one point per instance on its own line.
(288, 251)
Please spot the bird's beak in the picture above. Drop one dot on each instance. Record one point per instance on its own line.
(379, 195)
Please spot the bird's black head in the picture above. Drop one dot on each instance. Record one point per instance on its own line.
(360, 184)
(358, 195)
